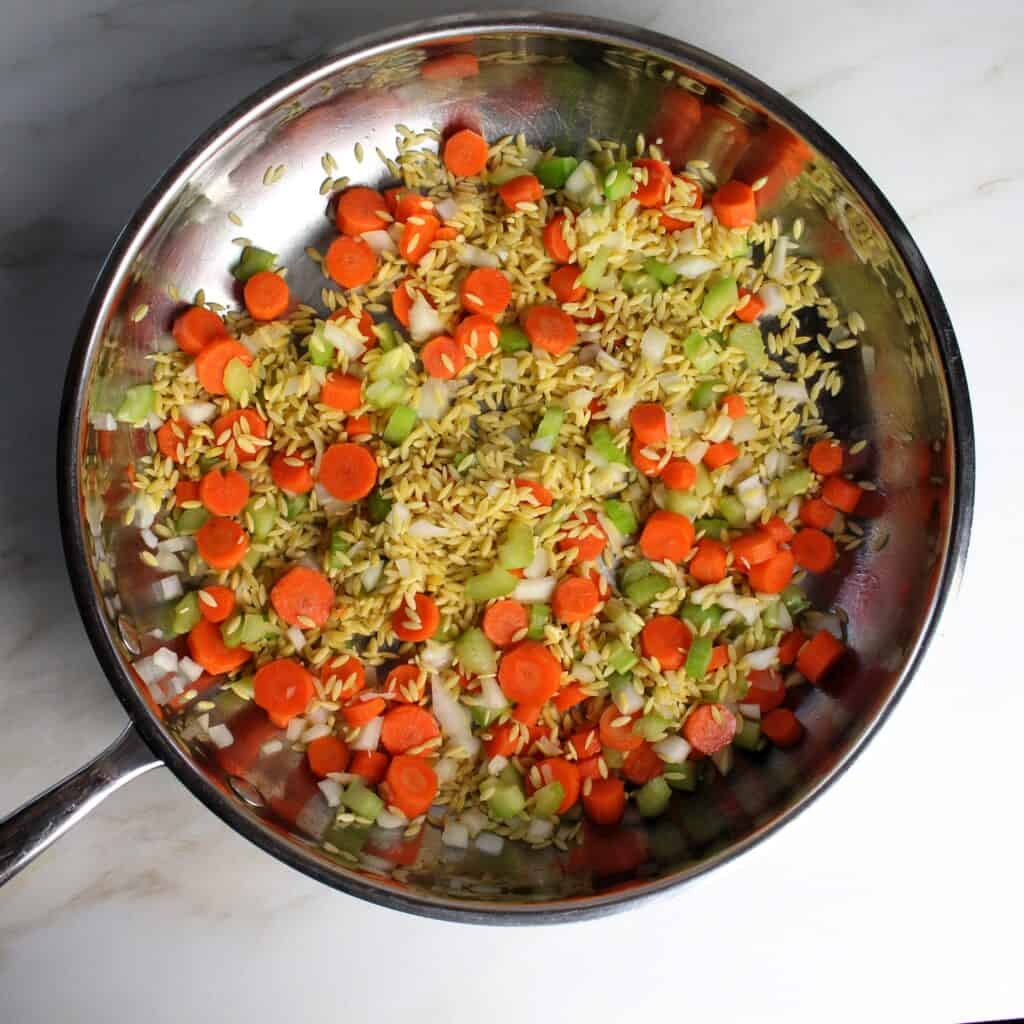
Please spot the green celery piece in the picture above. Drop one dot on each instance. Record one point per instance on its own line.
(186, 614)
(704, 394)
(260, 521)
(704, 485)
(517, 550)
(633, 282)
(661, 272)
(796, 481)
(748, 736)
(652, 727)
(239, 381)
(512, 339)
(551, 423)
(548, 799)
(732, 510)
(795, 599)
(253, 261)
(362, 801)
(393, 364)
(255, 628)
(641, 584)
(604, 443)
(506, 801)
(231, 631)
(388, 337)
(346, 838)
(137, 404)
(621, 515)
(463, 461)
(701, 352)
(621, 657)
(747, 338)
(681, 776)
(554, 172)
(295, 504)
(595, 269)
(720, 297)
(652, 798)
(496, 582)
(337, 551)
(400, 424)
(540, 616)
(683, 503)
(771, 615)
(190, 519)
(711, 526)
(618, 684)
(696, 616)
(377, 506)
(383, 394)
(699, 657)
(476, 653)
(617, 182)
(321, 351)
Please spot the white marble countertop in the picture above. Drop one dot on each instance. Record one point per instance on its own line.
(899, 890)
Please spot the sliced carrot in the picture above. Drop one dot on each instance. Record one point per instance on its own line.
(529, 672)
(750, 310)
(586, 536)
(586, 743)
(412, 628)
(790, 646)
(365, 324)
(369, 765)
(708, 565)
(224, 492)
(239, 423)
(782, 727)
(734, 205)
(753, 548)
(186, 490)
(575, 599)
(450, 66)
(554, 240)
(358, 426)
(417, 236)
(411, 204)
(342, 391)
(213, 360)
(283, 688)
(618, 737)
(347, 670)
(412, 784)
(649, 422)
(841, 493)
(443, 357)
(666, 639)
(826, 457)
(645, 463)
(550, 329)
(605, 801)
(523, 189)
(527, 714)
(360, 712)
(558, 769)
(504, 740)
(221, 543)
(565, 284)
(774, 575)
(402, 299)
(767, 689)
(779, 530)
(590, 768)
(359, 209)
(541, 496)
(505, 622)
(172, 434)
(348, 471)
(666, 535)
(569, 696)
(266, 295)
(478, 333)
(679, 475)
(818, 655)
(407, 727)
(194, 329)
(350, 261)
(719, 658)
(445, 233)
(720, 454)
(391, 197)
(465, 153)
(654, 191)
(734, 407)
(403, 684)
(206, 647)
(709, 727)
(303, 597)
(485, 290)
(216, 603)
(327, 754)
(642, 765)
(817, 513)
(814, 550)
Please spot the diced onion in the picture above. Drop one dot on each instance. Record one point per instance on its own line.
(765, 658)
(672, 749)
(404, 567)
(653, 345)
(165, 659)
(536, 591)
(456, 835)
(221, 736)
(436, 657)
(619, 406)
(791, 390)
(149, 538)
(777, 262)
(474, 256)
(491, 695)
(490, 843)
(446, 769)
(696, 451)
(692, 267)
(748, 607)
(369, 735)
(379, 241)
(168, 588)
(345, 337)
(543, 444)
(581, 179)
(628, 701)
(771, 295)
(687, 240)
(104, 421)
(719, 429)
(447, 209)
(318, 715)
(189, 669)
(690, 420)
(296, 638)
(452, 717)
(198, 412)
(539, 830)
(539, 566)
(316, 732)
(399, 517)
(388, 819)
(474, 820)
(424, 321)
(580, 398)
(295, 728)
(609, 362)
(497, 764)
(331, 791)
(424, 529)
(510, 368)
(744, 429)
(435, 398)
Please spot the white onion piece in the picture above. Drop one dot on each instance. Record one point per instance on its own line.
(628, 701)
(379, 241)
(103, 421)
(581, 179)
(580, 398)
(424, 321)
(581, 672)
(369, 735)
(371, 576)
(751, 711)
(446, 769)
(168, 588)
(693, 419)
(435, 399)
(437, 657)
(491, 695)
(165, 659)
(331, 791)
(536, 591)
(497, 764)
(608, 362)
(490, 843)
(344, 336)
(315, 732)
(146, 509)
(404, 567)
(539, 829)
(672, 749)
(771, 295)
(763, 659)
(447, 209)
(791, 390)
(748, 608)
(744, 429)
(776, 268)
(619, 406)
(692, 267)
(785, 620)
(328, 502)
(510, 368)
(452, 717)
(400, 517)
(474, 256)
(221, 736)
(722, 760)
(543, 444)
(149, 538)
(474, 820)
(770, 463)
(539, 566)
(653, 345)
(720, 429)
(455, 835)
(295, 728)
(424, 529)
(317, 716)
(687, 240)
(696, 451)
(198, 412)
(189, 669)
(295, 638)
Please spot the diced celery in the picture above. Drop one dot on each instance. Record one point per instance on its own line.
(253, 261)
(796, 481)
(661, 272)
(652, 798)
(337, 550)
(748, 736)
(732, 510)
(540, 616)
(604, 443)
(231, 631)
(516, 551)
(621, 657)
(683, 503)
(622, 692)
(242, 687)
(496, 582)
(747, 338)
(295, 505)
(627, 623)
(362, 801)
(137, 404)
(699, 657)
(721, 296)
(190, 519)
(633, 282)
(506, 801)
(186, 614)
(613, 758)
(554, 172)
(617, 182)
(388, 337)
(321, 351)
(548, 799)
(681, 776)
(696, 616)
(383, 394)
(652, 727)
(504, 173)
(247, 629)
(462, 461)
(512, 339)
(252, 558)
(771, 616)
(510, 775)
(795, 599)
(482, 716)
(704, 394)
(377, 506)
(711, 526)
(621, 515)
(476, 653)
(260, 516)
(702, 353)
(400, 424)
(595, 268)
(704, 485)
(641, 584)
(347, 838)
(393, 364)
(551, 423)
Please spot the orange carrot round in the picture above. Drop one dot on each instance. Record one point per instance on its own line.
(224, 492)
(778, 529)
(666, 639)
(605, 801)
(240, 423)
(618, 737)
(342, 391)
(283, 688)
(206, 647)
(645, 463)
(734, 205)
(348, 471)
(659, 178)
(773, 576)
(841, 493)
(541, 496)
(266, 295)
(221, 543)
(213, 360)
(666, 535)
(720, 454)
(406, 727)
(413, 628)
(417, 236)
(790, 646)
(358, 426)
(709, 727)
(565, 283)
(679, 475)
(734, 407)
(817, 513)
(303, 597)
(566, 774)
(550, 329)
(359, 210)
(813, 550)
(443, 357)
(350, 261)
(216, 603)
(347, 670)
(575, 599)
(327, 754)
(185, 490)
(505, 740)
(767, 689)
(170, 435)
(589, 541)
(505, 621)
(649, 422)
(554, 240)
(360, 712)
(194, 329)
(369, 765)
(642, 765)
(465, 153)
(412, 204)
(403, 684)
(782, 727)
(708, 565)
(478, 333)
(826, 457)
(751, 309)
(753, 548)
(485, 290)
(524, 189)
(412, 784)
(402, 299)
(529, 673)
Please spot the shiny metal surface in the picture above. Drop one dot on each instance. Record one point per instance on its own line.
(554, 79)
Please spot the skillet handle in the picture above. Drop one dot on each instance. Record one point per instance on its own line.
(35, 825)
